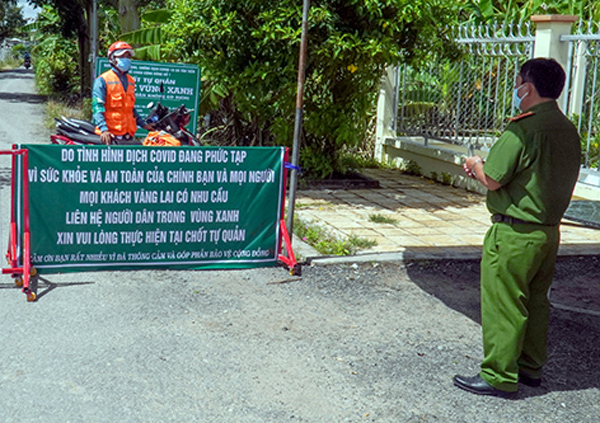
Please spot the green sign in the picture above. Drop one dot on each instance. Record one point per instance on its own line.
(118, 207)
(180, 85)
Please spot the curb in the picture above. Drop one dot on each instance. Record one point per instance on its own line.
(315, 259)
(400, 256)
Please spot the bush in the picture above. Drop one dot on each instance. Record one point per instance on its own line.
(593, 154)
(56, 66)
(249, 51)
(18, 51)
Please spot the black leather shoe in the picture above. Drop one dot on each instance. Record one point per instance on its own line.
(476, 385)
(529, 381)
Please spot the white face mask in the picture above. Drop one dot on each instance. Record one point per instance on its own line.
(516, 99)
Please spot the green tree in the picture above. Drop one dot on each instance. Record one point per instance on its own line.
(11, 19)
(248, 51)
(149, 38)
(53, 54)
(513, 10)
(75, 22)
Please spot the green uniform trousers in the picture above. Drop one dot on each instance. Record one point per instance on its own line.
(517, 268)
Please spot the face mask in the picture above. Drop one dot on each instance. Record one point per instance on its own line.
(123, 64)
(516, 99)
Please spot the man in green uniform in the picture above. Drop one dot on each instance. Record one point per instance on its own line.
(530, 174)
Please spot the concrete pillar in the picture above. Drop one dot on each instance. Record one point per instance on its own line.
(547, 40)
(386, 109)
(578, 81)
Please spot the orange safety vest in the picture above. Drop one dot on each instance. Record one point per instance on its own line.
(119, 104)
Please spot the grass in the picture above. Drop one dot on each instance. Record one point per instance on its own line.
(378, 218)
(300, 205)
(56, 108)
(9, 64)
(325, 243)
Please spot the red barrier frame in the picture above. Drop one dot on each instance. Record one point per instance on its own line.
(21, 272)
(290, 260)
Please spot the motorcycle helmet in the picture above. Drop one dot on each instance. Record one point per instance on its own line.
(118, 49)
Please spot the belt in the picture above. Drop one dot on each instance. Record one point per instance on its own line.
(500, 218)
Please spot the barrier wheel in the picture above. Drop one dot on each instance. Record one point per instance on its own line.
(31, 297)
(19, 281)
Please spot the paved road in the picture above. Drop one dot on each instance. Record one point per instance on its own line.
(344, 343)
(21, 121)
(22, 109)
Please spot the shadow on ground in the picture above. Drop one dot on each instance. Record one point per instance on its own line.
(398, 192)
(23, 98)
(574, 333)
(5, 176)
(16, 73)
(18, 97)
(45, 287)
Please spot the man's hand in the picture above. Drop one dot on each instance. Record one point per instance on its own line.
(106, 137)
(473, 167)
(469, 166)
(148, 127)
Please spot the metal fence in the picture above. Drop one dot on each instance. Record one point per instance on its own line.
(583, 85)
(467, 103)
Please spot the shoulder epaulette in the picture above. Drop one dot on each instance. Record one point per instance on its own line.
(521, 116)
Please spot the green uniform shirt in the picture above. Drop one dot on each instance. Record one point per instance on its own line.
(536, 160)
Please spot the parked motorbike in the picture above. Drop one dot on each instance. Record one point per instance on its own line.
(71, 131)
(172, 122)
(166, 124)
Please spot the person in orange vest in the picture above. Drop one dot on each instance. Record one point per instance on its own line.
(113, 98)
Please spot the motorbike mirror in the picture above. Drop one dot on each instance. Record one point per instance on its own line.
(150, 105)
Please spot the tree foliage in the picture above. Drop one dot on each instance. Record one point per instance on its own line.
(11, 19)
(248, 51)
(513, 10)
(56, 71)
(74, 23)
(149, 38)
(115, 16)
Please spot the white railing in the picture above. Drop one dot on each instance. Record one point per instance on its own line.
(467, 103)
(464, 102)
(583, 86)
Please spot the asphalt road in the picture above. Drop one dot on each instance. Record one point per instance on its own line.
(369, 342)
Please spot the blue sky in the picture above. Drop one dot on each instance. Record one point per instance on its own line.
(28, 10)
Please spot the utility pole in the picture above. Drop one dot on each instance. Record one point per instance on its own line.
(94, 40)
(298, 122)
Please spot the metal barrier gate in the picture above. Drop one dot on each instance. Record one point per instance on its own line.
(125, 208)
